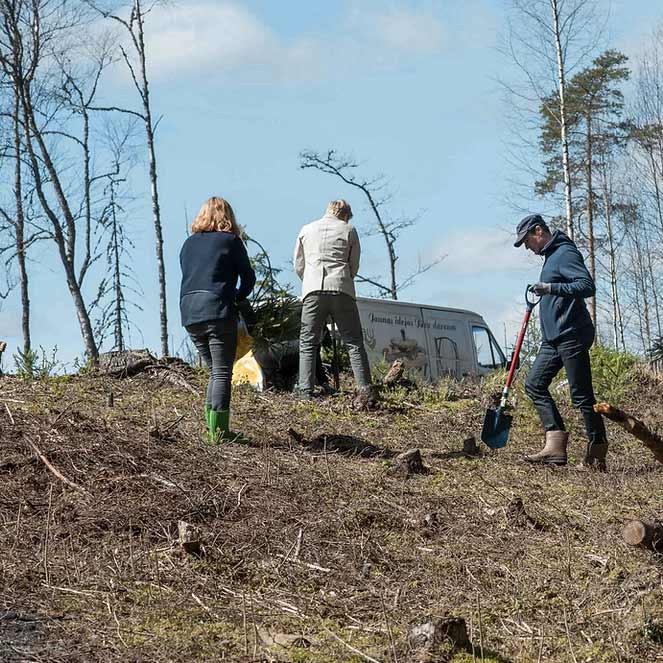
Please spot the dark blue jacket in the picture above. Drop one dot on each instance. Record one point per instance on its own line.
(211, 264)
(563, 311)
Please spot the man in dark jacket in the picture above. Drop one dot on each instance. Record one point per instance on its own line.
(568, 334)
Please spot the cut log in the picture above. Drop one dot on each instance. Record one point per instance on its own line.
(644, 535)
(634, 426)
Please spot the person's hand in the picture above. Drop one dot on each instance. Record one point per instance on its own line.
(541, 289)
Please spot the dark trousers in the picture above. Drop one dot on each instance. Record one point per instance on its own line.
(216, 340)
(571, 353)
(316, 308)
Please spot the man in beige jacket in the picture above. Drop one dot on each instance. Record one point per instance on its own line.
(327, 260)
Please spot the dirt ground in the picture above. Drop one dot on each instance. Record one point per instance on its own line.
(312, 548)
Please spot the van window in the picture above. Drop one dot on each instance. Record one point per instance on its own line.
(488, 356)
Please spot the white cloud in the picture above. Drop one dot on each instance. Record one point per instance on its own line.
(202, 34)
(410, 32)
(484, 252)
(213, 37)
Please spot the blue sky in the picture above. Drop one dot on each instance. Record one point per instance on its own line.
(407, 87)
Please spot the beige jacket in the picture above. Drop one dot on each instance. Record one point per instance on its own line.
(327, 256)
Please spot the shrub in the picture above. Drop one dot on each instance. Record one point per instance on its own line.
(612, 373)
(33, 365)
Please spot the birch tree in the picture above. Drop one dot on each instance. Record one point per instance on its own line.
(56, 84)
(30, 35)
(546, 41)
(595, 114)
(135, 59)
(14, 221)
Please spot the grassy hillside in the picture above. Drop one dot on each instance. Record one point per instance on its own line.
(313, 552)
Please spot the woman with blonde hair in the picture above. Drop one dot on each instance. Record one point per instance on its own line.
(213, 258)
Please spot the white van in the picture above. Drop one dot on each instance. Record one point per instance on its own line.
(435, 340)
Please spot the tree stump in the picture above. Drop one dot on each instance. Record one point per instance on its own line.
(430, 637)
(518, 517)
(366, 398)
(394, 374)
(470, 447)
(126, 363)
(634, 426)
(645, 535)
(189, 538)
(408, 463)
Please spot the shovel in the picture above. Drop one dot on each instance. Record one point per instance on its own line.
(496, 423)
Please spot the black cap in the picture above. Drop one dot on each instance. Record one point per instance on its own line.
(528, 223)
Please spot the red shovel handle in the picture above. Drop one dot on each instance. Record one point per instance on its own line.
(516, 351)
(521, 337)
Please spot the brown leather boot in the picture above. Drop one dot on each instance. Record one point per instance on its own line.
(595, 456)
(554, 451)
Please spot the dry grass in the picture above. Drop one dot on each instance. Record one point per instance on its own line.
(309, 554)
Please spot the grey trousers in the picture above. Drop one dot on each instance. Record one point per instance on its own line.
(317, 308)
(216, 340)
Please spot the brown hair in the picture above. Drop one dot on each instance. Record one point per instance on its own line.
(340, 209)
(215, 215)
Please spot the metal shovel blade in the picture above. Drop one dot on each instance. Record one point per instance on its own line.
(496, 425)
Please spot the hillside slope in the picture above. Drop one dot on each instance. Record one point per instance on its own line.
(311, 552)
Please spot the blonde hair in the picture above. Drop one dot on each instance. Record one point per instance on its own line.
(216, 215)
(340, 209)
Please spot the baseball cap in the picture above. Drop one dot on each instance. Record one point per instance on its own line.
(527, 224)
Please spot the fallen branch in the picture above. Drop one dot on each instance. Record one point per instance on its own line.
(634, 426)
(53, 469)
(314, 567)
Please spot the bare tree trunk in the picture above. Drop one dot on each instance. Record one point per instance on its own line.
(641, 325)
(136, 28)
(20, 229)
(117, 277)
(87, 184)
(156, 210)
(561, 76)
(389, 239)
(641, 286)
(66, 245)
(657, 189)
(617, 324)
(590, 213)
(654, 292)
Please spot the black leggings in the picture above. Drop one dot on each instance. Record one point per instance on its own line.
(216, 340)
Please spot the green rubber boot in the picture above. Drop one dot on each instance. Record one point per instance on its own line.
(218, 425)
(207, 411)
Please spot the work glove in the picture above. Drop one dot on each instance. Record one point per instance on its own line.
(541, 289)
